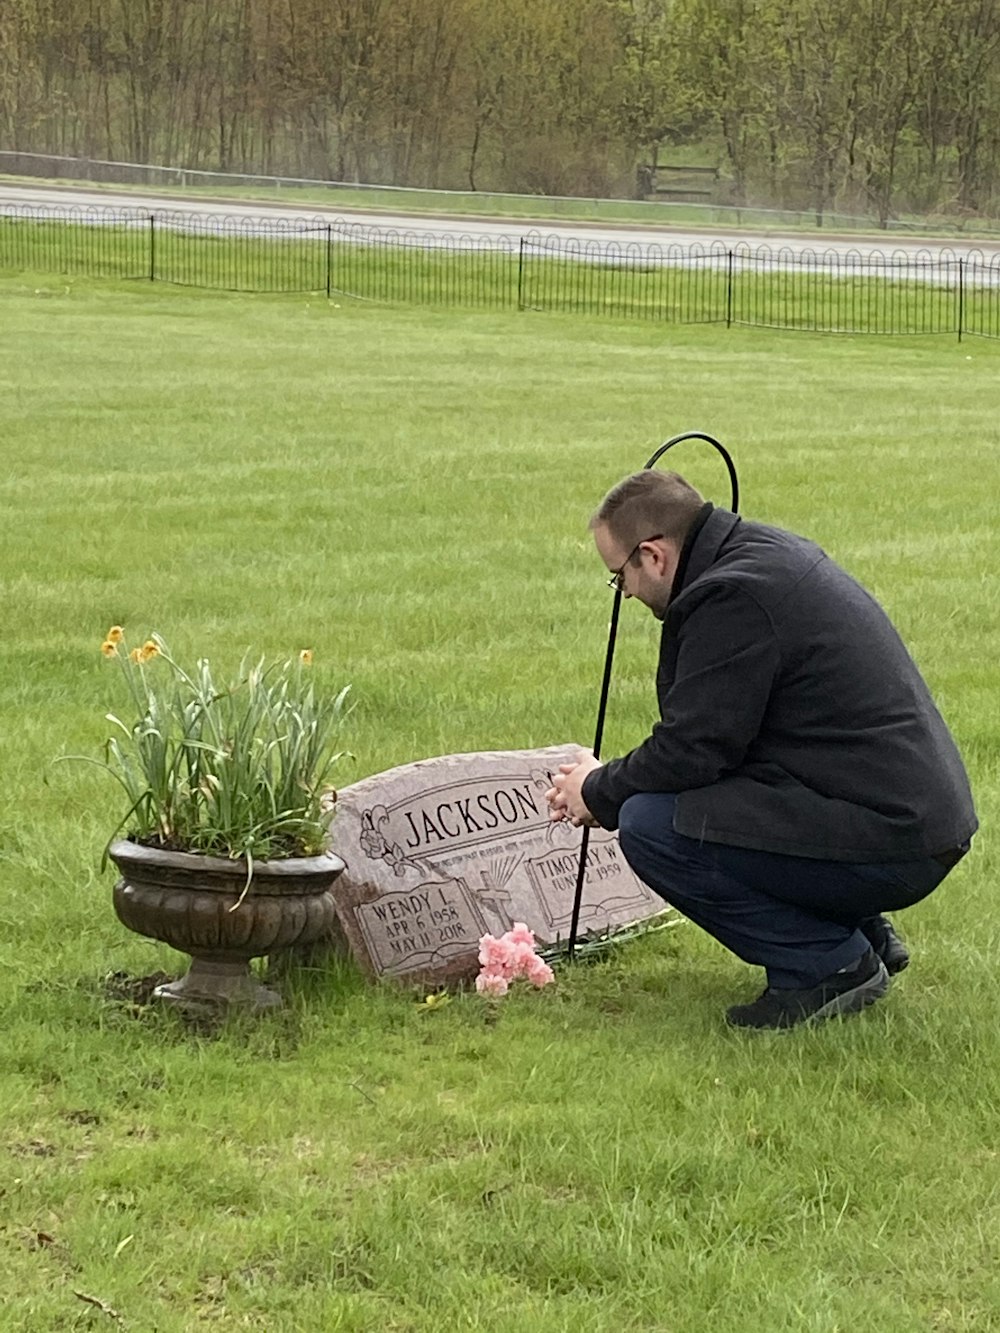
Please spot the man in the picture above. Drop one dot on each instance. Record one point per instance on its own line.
(800, 781)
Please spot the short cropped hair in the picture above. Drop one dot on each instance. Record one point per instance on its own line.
(649, 503)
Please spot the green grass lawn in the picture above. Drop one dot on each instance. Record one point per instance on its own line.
(406, 492)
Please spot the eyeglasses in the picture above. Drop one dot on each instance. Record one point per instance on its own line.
(617, 580)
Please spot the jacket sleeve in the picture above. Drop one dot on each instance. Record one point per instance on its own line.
(727, 662)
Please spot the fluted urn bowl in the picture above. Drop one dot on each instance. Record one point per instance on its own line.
(197, 905)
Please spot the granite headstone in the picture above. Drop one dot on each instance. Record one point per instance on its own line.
(443, 851)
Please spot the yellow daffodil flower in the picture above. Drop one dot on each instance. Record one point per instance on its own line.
(115, 634)
(135, 655)
(149, 649)
(306, 657)
(109, 648)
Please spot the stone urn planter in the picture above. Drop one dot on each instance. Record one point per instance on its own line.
(193, 903)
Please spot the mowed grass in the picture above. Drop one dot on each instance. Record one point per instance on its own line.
(406, 493)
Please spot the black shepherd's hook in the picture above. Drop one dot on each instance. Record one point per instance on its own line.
(606, 682)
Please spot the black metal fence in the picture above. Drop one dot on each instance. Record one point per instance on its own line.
(848, 290)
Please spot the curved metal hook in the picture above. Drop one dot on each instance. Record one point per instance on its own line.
(609, 658)
(709, 439)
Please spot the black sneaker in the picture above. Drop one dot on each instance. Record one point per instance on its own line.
(886, 943)
(845, 992)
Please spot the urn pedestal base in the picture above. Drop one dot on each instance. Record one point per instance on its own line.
(209, 983)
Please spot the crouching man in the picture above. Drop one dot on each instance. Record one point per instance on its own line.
(800, 782)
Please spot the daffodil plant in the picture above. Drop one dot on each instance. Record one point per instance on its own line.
(236, 769)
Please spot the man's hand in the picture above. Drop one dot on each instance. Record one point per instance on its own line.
(565, 795)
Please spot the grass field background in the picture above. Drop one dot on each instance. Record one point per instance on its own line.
(406, 492)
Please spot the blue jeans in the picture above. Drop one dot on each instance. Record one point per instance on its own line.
(798, 918)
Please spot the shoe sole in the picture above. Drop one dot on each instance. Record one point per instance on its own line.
(853, 1001)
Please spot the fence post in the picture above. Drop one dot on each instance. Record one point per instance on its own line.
(152, 247)
(729, 289)
(329, 246)
(961, 296)
(520, 274)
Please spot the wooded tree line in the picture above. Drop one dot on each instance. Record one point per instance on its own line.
(856, 105)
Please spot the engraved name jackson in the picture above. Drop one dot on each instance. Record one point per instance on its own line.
(451, 815)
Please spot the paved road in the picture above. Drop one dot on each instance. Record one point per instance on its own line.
(429, 226)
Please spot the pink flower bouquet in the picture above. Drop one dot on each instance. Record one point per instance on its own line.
(511, 956)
